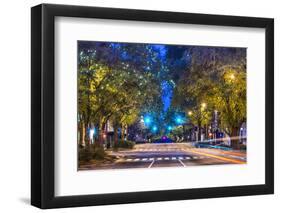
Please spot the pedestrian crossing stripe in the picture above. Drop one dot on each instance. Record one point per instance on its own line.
(167, 158)
(160, 150)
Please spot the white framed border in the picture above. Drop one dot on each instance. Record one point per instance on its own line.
(68, 181)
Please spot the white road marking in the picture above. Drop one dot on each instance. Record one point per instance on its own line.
(144, 159)
(182, 163)
(137, 159)
(129, 159)
(187, 158)
(151, 158)
(167, 158)
(174, 158)
(150, 165)
(159, 158)
(194, 157)
(180, 158)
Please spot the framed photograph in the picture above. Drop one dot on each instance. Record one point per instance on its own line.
(140, 106)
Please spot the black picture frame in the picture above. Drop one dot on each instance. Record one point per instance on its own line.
(43, 102)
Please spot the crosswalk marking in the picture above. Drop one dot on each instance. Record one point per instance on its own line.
(160, 150)
(180, 158)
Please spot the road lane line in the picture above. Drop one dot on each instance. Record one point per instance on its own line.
(219, 157)
(137, 159)
(187, 158)
(180, 158)
(159, 158)
(144, 159)
(174, 158)
(151, 158)
(150, 165)
(167, 158)
(182, 163)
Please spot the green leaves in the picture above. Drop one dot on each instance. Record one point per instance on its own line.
(217, 77)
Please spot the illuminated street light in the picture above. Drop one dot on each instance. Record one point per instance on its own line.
(232, 76)
(178, 120)
(189, 113)
(91, 133)
(203, 105)
(170, 128)
(147, 120)
(154, 128)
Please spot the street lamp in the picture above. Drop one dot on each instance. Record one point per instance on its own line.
(189, 112)
(147, 120)
(179, 120)
(203, 106)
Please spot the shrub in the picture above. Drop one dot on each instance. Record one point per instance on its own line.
(85, 154)
(92, 152)
(98, 152)
(124, 144)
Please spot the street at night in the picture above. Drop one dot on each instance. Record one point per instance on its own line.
(169, 155)
(144, 105)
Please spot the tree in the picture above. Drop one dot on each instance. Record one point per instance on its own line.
(230, 101)
(216, 77)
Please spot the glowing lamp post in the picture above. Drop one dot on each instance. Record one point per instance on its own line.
(147, 120)
(203, 105)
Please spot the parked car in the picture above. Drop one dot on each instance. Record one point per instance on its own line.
(163, 139)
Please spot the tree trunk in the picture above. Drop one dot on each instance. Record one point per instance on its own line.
(234, 138)
(115, 135)
(82, 133)
(87, 136)
(101, 134)
(122, 133)
(199, 131)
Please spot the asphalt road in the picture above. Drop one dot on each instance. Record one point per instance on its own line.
(169, 155)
